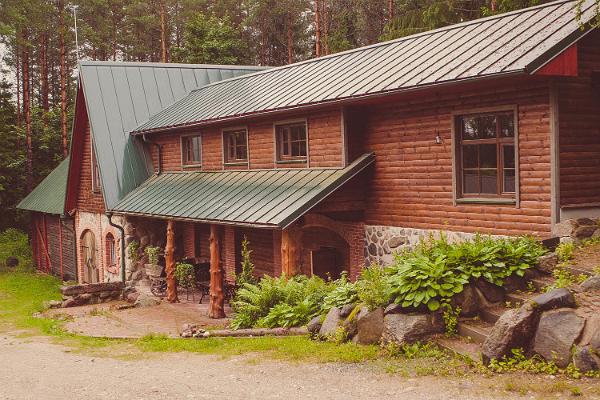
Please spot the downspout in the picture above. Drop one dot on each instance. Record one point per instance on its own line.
(158, 152)
(120, 228)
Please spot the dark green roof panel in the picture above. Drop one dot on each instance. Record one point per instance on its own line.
(119, 96)
(262, 198)
(49, 196)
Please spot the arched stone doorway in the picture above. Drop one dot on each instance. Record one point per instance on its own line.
(91, 273)
(324, 253)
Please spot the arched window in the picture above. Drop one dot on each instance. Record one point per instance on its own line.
(111, 254)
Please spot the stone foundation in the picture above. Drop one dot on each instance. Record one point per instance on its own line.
(381, 242)
(79, 295)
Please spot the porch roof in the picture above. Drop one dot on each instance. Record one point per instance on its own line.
(261, 198)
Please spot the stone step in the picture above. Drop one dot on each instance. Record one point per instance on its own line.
(519, 297)
(460, 346)
(492, 314)
(478, 331)
(541, 283)
(577, 271)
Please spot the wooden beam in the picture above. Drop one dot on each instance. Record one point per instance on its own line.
(289, 252)
(217, 298)
(170, 264)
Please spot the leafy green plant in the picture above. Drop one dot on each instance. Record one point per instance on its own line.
(133, 251)
(15, 243)
(247, 273)
(564, 278)
(450, 316)
(279, 301)
(565, 251)
(436, 270)
(344, 292)
(372, 287)
(185, 275)
(153, 252)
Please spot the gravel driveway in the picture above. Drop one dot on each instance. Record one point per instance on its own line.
(36, 369)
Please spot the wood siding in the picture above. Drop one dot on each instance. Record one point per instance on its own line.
(579, 129)
(324, 137)
(412, 185)
(87, 200)
(48, 235)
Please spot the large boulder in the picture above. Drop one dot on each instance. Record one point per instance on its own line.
(394, 309)
(557, 298)
(595, 342)
(369, 326)
(547, 263)
(314, 326)
(331, 323)
(346, 309)
(146, 300)
(565, 228)
(591, 284)
(514, 329)
(468, 301)
(585, 231)
(556, 334)
(410, 328)
(585, 360)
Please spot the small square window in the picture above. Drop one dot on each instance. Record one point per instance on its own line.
(235, 144)
(291, 142)
(191, 150)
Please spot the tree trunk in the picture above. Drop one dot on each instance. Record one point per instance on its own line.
(27, 112)
(317, 28)
(18, 71)
(289, 252)
(390, 10)
(217, 298)
(493, 5)
(44, 76)
(63, 78)
(290, 39)
(163, 31)
(170, 264)
(325, 24)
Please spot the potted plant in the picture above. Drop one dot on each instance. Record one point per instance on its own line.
(152, 267)
(186, 277)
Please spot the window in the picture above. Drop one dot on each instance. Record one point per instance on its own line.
(95, 171)
(111, 255)
(191, 150)
(486, 155)
(235, 144)
(291, 141)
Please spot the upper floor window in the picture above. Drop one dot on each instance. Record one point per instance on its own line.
(235, 144)
(486, 155)
(95, 171)
(291, 141)
(191, 150)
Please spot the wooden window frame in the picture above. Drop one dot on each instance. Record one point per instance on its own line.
(279, 159)
(511, 198)
(111, 250)
(225, 133)
(184, 148)
(96, 180)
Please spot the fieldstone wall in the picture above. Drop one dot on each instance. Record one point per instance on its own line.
(94, 293)
(145, 232)
(381, 242)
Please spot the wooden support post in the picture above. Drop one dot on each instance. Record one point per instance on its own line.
(289, 256)
(217, 298)
(170, 264)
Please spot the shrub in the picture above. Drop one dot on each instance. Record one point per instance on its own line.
(185, 275)
(15, 243)
(247, 274)
(133, 251)
(436, 270)
(279, 301)
(153, 252)
(344, 292)
(372, 287)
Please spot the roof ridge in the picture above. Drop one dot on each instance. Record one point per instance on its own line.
(167, 65)
(387, 43)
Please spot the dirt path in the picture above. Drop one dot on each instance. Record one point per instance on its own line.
(36, 369)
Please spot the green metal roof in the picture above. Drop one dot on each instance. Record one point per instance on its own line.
(121, 95)
(262, 198)
(518, 42)
(49, 196)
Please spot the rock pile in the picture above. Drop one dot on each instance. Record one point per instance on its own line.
(193, 331)
(93, 293)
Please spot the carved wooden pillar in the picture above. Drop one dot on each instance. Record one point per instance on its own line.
(217, 298)
(289, 252)
(170, 264)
